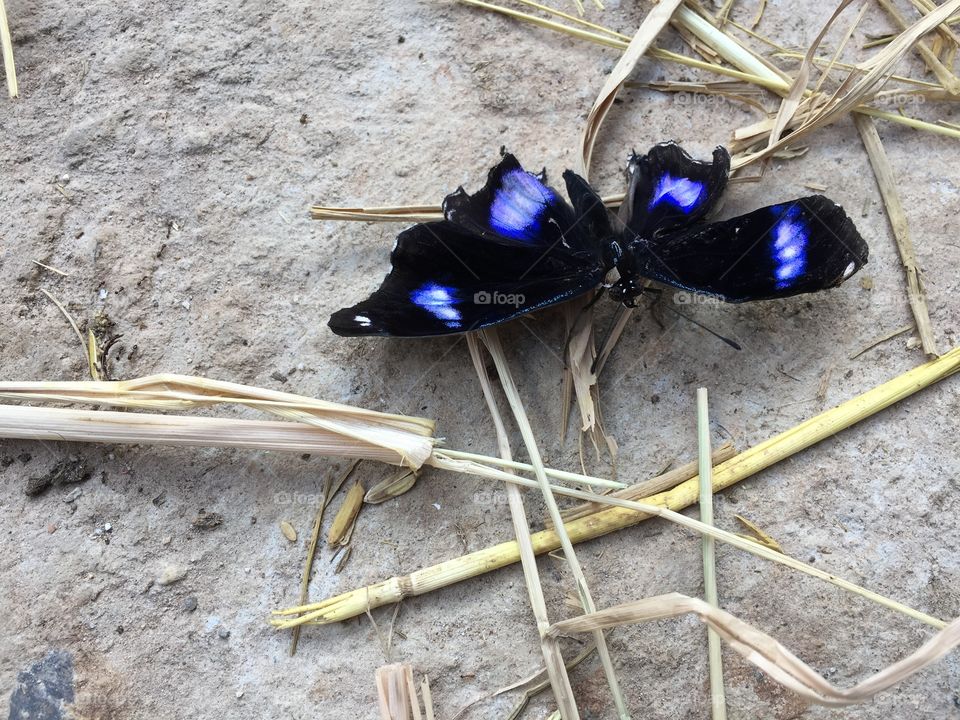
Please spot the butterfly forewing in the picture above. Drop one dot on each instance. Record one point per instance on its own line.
(795, 247)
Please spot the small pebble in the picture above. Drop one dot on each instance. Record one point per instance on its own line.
(223, 633)
(171, 574)
(189, 604)
(73, 495)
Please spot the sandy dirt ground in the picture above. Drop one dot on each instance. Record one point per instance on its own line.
(165, 154)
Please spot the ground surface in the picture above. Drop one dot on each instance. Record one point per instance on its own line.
(189, 140)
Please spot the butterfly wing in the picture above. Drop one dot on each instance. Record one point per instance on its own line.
(511, 248)
(446, 280)
(668, 189)
(796, 247)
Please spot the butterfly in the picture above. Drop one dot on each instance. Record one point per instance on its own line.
(517, 245)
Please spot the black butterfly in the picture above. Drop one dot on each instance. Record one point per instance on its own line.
(517, 246)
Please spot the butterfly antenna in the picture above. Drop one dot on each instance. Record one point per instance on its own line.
(728, 341)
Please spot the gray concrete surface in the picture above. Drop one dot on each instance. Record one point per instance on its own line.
(189, 140)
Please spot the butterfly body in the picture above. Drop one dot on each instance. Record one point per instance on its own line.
(517, 246)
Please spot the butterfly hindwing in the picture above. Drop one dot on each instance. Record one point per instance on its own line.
(668, 189)
(446, 280)
(800, 246)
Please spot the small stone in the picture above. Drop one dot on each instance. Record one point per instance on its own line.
(288, 531)
(51, 528)
(73, 495)
(107, 527)
(207, 520)
(223, 633)
(239, 694)
(171, 574)
(189, 604)
(167, 540)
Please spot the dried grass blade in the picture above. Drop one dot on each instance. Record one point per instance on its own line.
(397, 213)
(492, 341)
(604, 39)
(553, 659)
(733, 51)
(658, 484)
(105, 426)
(764, 651)
(853, 93)
(6, 45)
(789, 105)
(949, 81)
(394, 696)
(311, 554)
(718, 701)
(652, 25)
(73, 325)
(898, 222)
(927, 6)
(410, 437)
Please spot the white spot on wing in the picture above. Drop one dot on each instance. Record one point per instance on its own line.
(849, 271)
(362, 320)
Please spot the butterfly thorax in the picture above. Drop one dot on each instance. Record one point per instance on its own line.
(623, 281)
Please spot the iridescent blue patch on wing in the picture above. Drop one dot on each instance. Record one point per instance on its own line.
(681, 192)
(789, 250)
(438, 300)
(518, 204)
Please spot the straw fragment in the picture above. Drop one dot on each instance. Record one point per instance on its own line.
(762, 650)
(718, 701)
(555, 668)
(651, 26)
(396, 694)
(916, 294)
(492, 342)
(343, 521)
(6, 47)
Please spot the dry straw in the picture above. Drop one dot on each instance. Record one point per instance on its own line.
(6, 47)
(747, 463)
(763, 651)
(555, 669)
